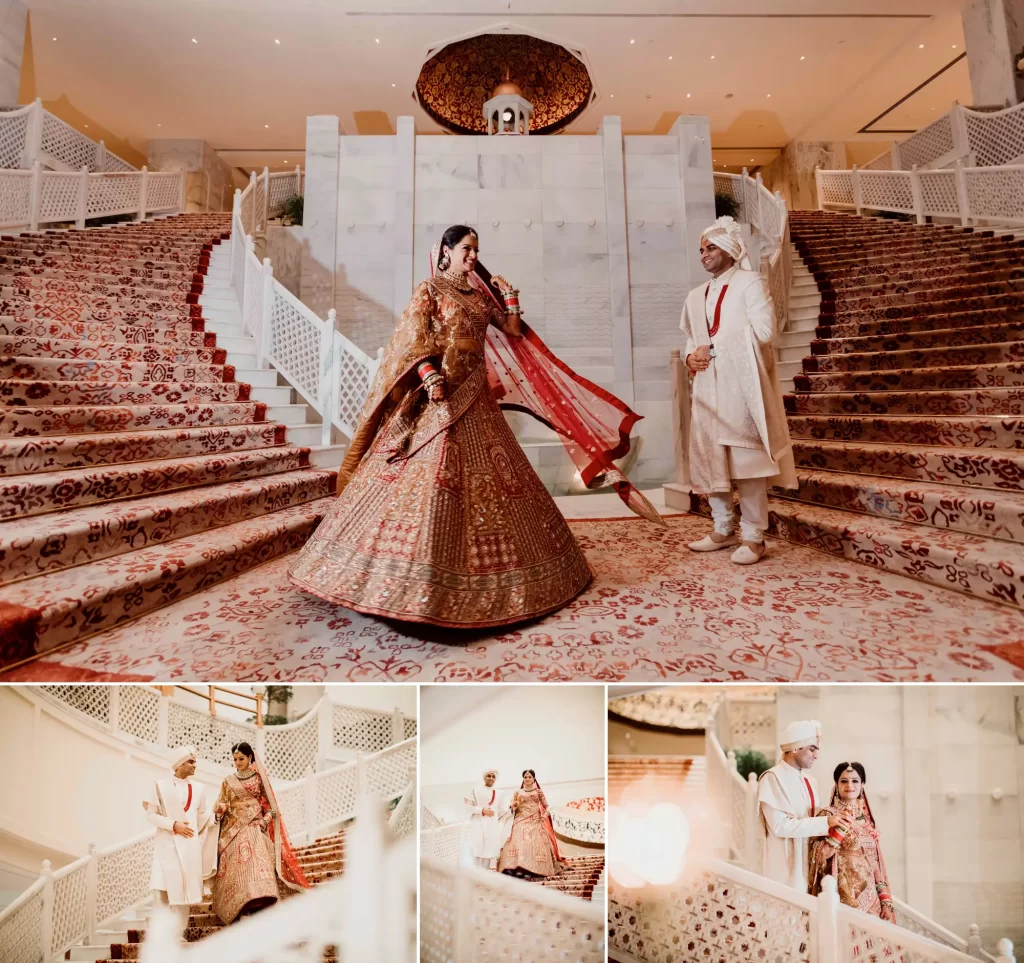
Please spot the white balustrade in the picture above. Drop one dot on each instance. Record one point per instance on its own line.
(471, 915)
(970, 194)
(289, 750)
(444, 844)
(331, 373)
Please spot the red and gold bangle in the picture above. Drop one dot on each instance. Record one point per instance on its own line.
(425, 369)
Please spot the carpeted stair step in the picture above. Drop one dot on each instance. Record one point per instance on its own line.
(934, 268)
(973, 511)
(867, 259)
(26, 394)
(67, 291)
(61, 369)
(40, 544)
(187, 335)
(40, 492)
(153, 311)
(926, 323)
(985, 568)
(19, 456)
(980, 401)
(926, 289)
(921, 340)
(833, 313)
(110, 351)
(1003, 375)
(940, 431)
(70, 605)
(970, 467)
(67, 419)
(978, 354)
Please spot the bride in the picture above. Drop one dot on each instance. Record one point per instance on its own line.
(854, 856)
(532, 848)
(441, 518)
(253, 852)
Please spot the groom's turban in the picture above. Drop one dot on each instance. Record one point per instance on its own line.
(799, 735)
(725, 235)
(185, 753)
(491, 772)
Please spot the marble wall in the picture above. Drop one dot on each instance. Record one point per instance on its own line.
(994, 37)
(210, 184)
(13, 20)
(936, 759)
(599, 233)
(792, 172)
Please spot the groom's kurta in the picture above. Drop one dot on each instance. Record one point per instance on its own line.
(787, 800)
(180, 865)
(486, 834)
(737, 416)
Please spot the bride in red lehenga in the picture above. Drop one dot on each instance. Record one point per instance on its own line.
(441, 518)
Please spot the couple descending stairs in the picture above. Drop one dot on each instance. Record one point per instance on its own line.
(907, 413)
(143, 455)
(320, 861)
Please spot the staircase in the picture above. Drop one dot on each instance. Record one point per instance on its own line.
(320, 861)
(679, 778)
(580, 878)
(143, 455)
(906, 414)
(798, 333)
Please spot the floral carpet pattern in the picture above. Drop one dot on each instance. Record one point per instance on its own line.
(655, 612)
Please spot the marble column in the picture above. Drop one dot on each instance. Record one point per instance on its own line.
(917, 798)
(618, 257)
(696, 188)
(13, 21)
(320, 213)
(994, 34)
(792, 172)
(405, 177)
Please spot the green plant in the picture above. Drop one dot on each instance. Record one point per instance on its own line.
(726, 205)
(293, 207)
(751, 761)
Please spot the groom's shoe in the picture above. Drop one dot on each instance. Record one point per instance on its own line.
(713, 542)
(748, 553)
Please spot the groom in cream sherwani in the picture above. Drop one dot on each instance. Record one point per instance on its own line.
(488, 820)
(185, 850)
(788, 798)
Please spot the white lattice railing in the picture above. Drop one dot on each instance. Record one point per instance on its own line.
(969, 194)
(64, 907)
(31, 133)
(34, 197)
(470, 915)
(144, 714)
(976, 138)
(332, 373)
(444, 843)
(265, 198)
(366, 914)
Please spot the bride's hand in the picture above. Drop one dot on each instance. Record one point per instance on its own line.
(500, 283)
(436, 391)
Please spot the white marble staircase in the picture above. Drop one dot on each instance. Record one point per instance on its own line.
(798, 332)
(284, 406)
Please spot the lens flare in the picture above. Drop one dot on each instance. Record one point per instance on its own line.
(647, 848)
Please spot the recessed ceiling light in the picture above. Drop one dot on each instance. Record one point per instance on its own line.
(712, 56)
(392, 85)
(159, 125)
(670, 56)
(769, 95)
(54, 38)
(687, 95)
(276, 40)
(920, 46)
(954, 45)
(194, 40)
(632, 41)
(803, 58)
(376, 39)
(613, 96)
(266, 125)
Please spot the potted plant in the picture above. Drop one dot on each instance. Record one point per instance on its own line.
(292, 211)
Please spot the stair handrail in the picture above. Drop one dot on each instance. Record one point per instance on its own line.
(972, 195)
(816, 928)
(364, 914)
(65, 906)
(973, 137)
(444, 843)
(331, 372)
(148, 716)
(473, 902)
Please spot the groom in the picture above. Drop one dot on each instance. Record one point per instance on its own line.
(182, 853)
(488, 813)
(788, 798)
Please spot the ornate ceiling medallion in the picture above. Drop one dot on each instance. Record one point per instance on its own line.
(457, 81)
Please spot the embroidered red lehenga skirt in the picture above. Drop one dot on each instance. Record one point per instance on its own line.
(462, 534)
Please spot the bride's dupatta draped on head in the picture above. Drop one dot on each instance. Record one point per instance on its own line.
(287, 865)
(549, 826)
(523, 375)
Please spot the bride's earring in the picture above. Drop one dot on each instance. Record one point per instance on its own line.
(445, 261)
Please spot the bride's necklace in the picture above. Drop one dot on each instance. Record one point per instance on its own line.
(460, 280)
(246, 774)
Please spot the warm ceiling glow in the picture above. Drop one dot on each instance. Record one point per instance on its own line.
(650, 849)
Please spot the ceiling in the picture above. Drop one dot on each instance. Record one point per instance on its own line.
(259, 67)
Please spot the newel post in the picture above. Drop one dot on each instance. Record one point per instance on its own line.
(817, 185)
(328, 369)
(397, 727)
(266, 315)
(963, 198)
(34, 134)
(855, 177)
(252, 202)
(1005, 950)
(46, 914)
(917, 194)
(161, 718)
(143, 194)
(83, 198)
(101, 157)
(309, 804)
(298, 180)
(324, 727)
(828, 922)
(181, 191)
(974, 947)
(92, 885)
(265, 213)
(114, 708)
(679, 376)
(753, 836)
(36, 196)
(894, 154)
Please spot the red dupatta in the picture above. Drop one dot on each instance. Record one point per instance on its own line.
(593, 425)
(287, 864)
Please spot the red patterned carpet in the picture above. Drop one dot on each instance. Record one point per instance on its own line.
(654, 612)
